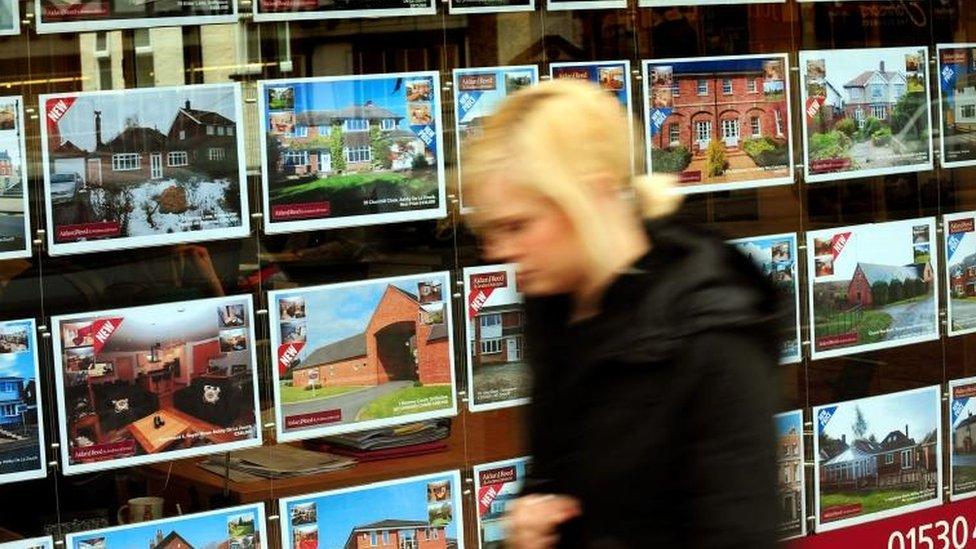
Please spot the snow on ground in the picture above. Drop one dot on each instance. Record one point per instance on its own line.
(205, 211)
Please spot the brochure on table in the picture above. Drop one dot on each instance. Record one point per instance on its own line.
(362, 355)
(292, 10)
(144, 167)
(872, 286)
(477, 94)
(962, 434)
(776, 257)
(423, 511)
(740, 138)
(866, 112)
(496, 486)
(22, 423)
(156, 383)
(15, 238)
(46, 542)
(791, 477)
(877, 457)
(960, 272)
(612, 76)
(345, 151)
(102, 15)
(240, 527)
(461, 7)
(498, 370)
(957, 103)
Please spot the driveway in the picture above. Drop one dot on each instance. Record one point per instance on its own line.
(911, 319)
(349, 403)
(11, 226)
(963, 313)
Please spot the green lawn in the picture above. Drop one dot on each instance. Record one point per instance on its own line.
(409, 400)
(337, 183)
(879, 500)
(870, 321)
(298, 394)
(963, 476)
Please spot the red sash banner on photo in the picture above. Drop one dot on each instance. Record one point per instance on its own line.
(56, 108)
(486, 496)
(102, 331)
(287, 353)
(482, 286)
(813, 106)
(838, 243)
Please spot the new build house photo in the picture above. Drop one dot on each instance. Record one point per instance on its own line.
(877, 456)
(719, 123)
(344, 151)
(375, 353)
(153, 383)
(143, 167)
(496, 485)
(957, 103)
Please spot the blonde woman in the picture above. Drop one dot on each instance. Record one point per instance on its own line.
(652, 343)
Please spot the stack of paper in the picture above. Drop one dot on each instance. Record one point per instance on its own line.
(274, 462)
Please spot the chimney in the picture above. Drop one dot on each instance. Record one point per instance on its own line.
(187, 104)
(98, 128)
(906, 430)
(882, 66)
(843, 439)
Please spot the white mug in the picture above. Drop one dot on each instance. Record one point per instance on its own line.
(141, 510)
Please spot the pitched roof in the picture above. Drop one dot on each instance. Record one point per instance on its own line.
(499, 309)
(173, 536)
(135, 138)
(391, 524)
(367, 111)
(859, 449)
(862, 79)
(343, 349)
(68, 149)
(437, 331)
(207, 117)
(896, 440)
(888, 273)
(966, 422)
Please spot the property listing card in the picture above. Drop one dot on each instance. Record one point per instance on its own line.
(877, 457)
(792, 482)
(21, 410)
(46, 542)
(101, 15)
(489, 6)
(15, 238)
(297, 10)
(960, 272)
(962, 433)
(143, 167)
(872, 286)
(155, 383)
(496, 486)
(957, 103)
(362, 355)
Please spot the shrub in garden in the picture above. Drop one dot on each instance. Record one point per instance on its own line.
(715, 161)
(672, 160)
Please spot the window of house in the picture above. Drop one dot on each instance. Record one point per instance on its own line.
(968, 111)
(362, 153)
(779, 122)
(299, 131)
(751, 85)
(490, 320)
(387, 124)
(230, 130)
(703, 87)
(906, 459)
(182, 135)
(434, 531)
(727, 86)
(889, 459)
(386, 537)
(675, 88)
(856, 93)
(216, 153)
(7, 410)
(876, 91)
(373, 539)
(491, 346)
(674, 134)
(177, 158)
(878, 111)
(210, 130)
(756, 126)
(220, 130)
(355, 125)
(125, 162)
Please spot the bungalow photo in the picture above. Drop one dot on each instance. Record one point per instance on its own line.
(238, 527)
(866, 112)
(477, 93)
(775, 255)
(21, 422)
(960, 254)
(957, 103)
(152, 383)
(790, 474)
(394, 513)
(144, 167)
(14, 219)
(365, 354)
(498, 371)
(496, 486)
(719, 123)
(962, 438)
(347, 151)
(873, 286)
(877, 457)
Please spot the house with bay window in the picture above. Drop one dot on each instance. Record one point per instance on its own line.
(874, 94)
(17, 406)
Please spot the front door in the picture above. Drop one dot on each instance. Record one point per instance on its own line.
(703, 133)
(156, 165)
(514, 346)
(730, 132)
(94, 175)
(325, 162)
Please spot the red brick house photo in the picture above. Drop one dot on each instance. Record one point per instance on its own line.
(399, 534)
(869, 278)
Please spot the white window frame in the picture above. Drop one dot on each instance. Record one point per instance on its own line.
(182, 159)
(967, 111)
(299, 131)
(674, 134)
(726, 86)
(675, 88)
(360, 154)
(210, 129)
(302, 156)
(182, 135)
(230, 131)
(388, 124)
(779, 122)
(702, 86)
(220, 130)
(126, 162)
(876, 109)
(215, 154)
(352, 125)
(751, 85)
(889, 459)
(491, 346)
(490, 319)
(906, 459)
(755, 124)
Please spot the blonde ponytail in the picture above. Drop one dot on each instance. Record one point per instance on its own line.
(657, 195)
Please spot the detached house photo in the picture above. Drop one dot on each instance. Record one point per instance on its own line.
(371, 356)
(158, 383)
(144, 163)
(719, 121)
(960, 254)
(958, 104)
(237, 528)
(20, 435)
(13, 200)
(962, 433)
(356, 147)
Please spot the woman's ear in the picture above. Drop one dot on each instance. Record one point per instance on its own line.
(603, 186)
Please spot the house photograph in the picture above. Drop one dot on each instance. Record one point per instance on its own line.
(239, 527)
(790, 474)
(496, 486)
(498, 370)
(385, 515)
(290, 10)
(880, 123)
(90, 15)
(962, 437)
(960, 271)
(14, 217)
(957, 104)
(143, 167)
(775, 255)
(609, 75)
(874, 286)
(877, 457)
(169, 386)
(478, 92)
(371, 356)
(361, 150)
(719, 123)
(21, 421)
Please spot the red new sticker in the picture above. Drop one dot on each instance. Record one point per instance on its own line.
(288, 353)
(103, 330)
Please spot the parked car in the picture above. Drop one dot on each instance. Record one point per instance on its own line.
(64, 187)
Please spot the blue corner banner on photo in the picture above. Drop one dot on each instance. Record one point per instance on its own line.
(952, 243)
(467, 101)
(657, 117)
(823, 417)
(947, 79)
(958, 407)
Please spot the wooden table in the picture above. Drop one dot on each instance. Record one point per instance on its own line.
(152, 439)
